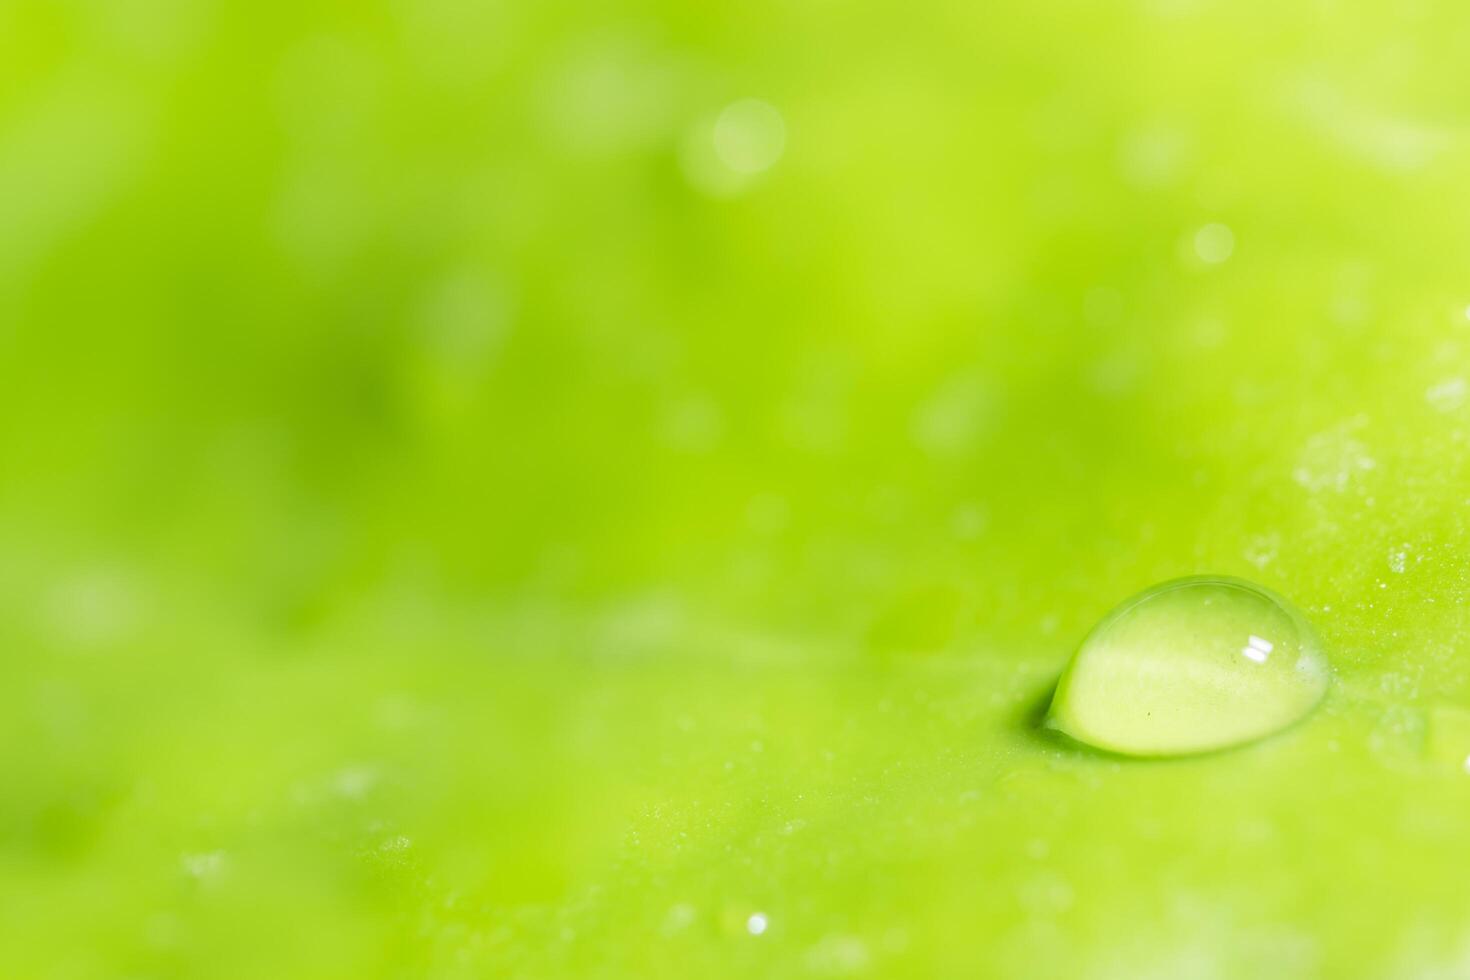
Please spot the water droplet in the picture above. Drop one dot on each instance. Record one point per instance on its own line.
(757, 924)
(1190, 666)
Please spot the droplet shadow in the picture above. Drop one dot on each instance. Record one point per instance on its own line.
(1032, 720)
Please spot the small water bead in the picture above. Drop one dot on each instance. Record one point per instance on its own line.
(1214, 243)
(1190, 666)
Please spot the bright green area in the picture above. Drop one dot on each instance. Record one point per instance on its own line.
(1191, 665)
(481, 497)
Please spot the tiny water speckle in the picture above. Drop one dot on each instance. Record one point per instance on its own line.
(767, 514)
(970, 521)
(749, 136)
(757, 924)
(838, 955)
(1262, 549)
(1447, 395)
(679, 918)
(1398, 559)
(203, 865)
(355, 782)
(1335, 460)
(1214, 243)
(724, 153)
(1190, 666)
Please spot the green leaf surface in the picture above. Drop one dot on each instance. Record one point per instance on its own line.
(608, 490)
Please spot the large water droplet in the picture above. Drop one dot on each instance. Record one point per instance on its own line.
(1190, 666)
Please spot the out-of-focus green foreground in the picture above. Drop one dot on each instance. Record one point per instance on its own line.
(530, 489)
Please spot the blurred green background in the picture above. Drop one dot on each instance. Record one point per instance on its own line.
(533, 489)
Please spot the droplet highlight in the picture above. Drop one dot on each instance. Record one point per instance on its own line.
(1191, 665)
